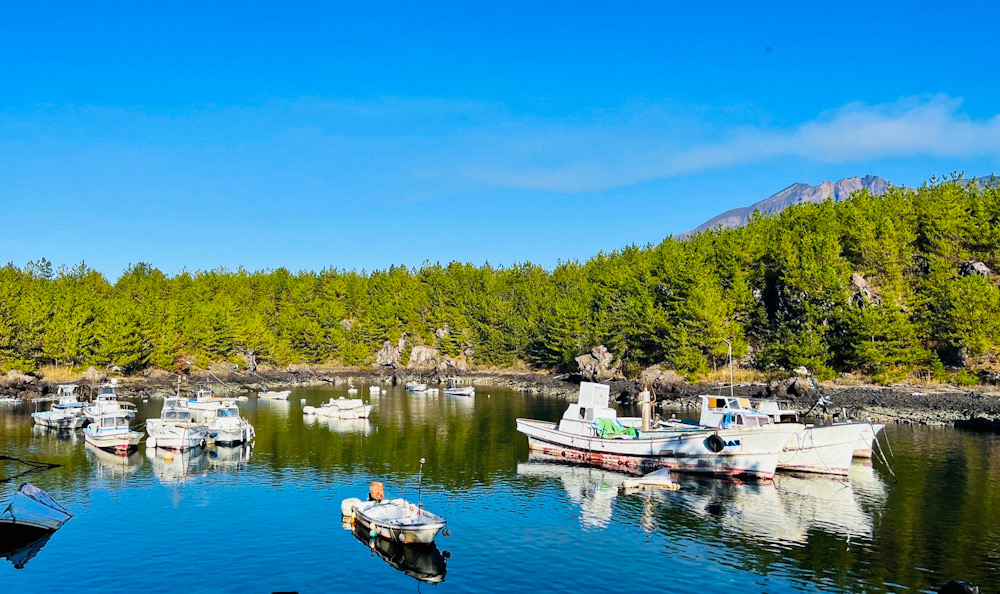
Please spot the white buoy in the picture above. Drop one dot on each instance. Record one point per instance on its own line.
(384, 390)
(303, 400)
(308, 410)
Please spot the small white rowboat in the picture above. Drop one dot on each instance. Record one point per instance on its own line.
(395, 519)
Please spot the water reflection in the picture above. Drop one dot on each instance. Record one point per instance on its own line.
(178, 467)
(229, 457)
(593, 489)
(362, 426)
(112, 465)
(424, 563)
(19, 552)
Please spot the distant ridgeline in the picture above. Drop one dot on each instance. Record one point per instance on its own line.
(887, 284)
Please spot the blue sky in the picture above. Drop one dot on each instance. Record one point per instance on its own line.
(316, 135)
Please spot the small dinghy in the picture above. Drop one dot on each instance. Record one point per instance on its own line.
(29, 516)
(395, 519)
(272, 395)
(466, 391)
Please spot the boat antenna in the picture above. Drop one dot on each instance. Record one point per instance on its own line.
(420, 481)
(731, 381)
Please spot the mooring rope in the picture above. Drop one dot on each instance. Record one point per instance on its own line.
(32, 466)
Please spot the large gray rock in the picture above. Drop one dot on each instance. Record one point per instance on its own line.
(423, 357)
(389, 354)
(802, 387)
(660, 379)
(975, 268)
(597, 365)
(442, 332)
(863, 294)
(224, 368)
(16, 377)
(449, 364)
(93, 376)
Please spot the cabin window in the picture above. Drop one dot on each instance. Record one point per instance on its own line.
(227, 412)
(716, 403)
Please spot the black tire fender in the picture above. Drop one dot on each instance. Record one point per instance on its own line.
(714, 443)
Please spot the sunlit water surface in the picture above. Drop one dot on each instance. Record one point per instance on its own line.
(241, 520)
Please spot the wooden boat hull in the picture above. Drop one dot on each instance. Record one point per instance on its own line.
(749, 453)
(825, 449)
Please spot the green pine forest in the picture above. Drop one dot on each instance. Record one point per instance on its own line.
(784, 290)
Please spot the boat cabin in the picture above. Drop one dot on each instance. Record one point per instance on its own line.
(112, 422)
(204, 394)
(730, 412)
(176, 415)
(174, 402)
(107, 392)
(227, 412)
(582, 417)
(67, 391)
(772, 408)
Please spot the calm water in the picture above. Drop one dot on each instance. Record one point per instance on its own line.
(239, 520)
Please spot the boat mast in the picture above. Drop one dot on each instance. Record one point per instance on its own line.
(730, 345)
(420, 480)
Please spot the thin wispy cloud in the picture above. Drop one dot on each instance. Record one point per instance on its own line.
(911, 127)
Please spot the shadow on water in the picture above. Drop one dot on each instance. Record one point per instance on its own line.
(423, 563)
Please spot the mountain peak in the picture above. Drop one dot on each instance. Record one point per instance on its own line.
(796, 193)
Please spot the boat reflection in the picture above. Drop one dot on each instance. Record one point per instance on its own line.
(112, 465)
(423, 563)
(20, 552)
(229, 457)
(592, 488)
(785, 511)
(175, 467)
(362, 426)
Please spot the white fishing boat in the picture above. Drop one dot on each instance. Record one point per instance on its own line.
(415, 387)
(374, 390)
(227, 427)
(273, 395)
(341, 408)
(111, 433)
(176, 429)
(826, 449)
(29, 515)
(66, 414)
(590, 432)
(106, 402)
(821, 448)
(465, 391)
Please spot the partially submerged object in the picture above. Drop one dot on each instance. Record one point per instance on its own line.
(27, 521)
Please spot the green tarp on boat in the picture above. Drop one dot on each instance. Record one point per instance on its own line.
(609, 428)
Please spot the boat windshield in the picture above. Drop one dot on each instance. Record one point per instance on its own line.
(227, 412)
(176, 415)
(106, 391)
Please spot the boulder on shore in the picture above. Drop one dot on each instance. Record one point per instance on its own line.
(16, 377)
(94, 376)
(389, 355)
(597, 365)
(661, 380)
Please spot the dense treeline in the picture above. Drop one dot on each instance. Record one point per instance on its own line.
(878, 284)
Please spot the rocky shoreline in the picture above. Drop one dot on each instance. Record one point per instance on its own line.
(896, 404)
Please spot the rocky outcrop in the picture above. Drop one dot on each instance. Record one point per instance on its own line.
(389, 355)
(795, 194)
(224, 368)
(453, 364)
(661, 380)
(92, 375)
(16, 377)
(862, 292)
(975, 268)
(423, 357)
(597, 365)
(442, 332)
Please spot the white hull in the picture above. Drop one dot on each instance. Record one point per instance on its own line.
(270, 395)
(863, 447)
(826, 449)
(117, 441)
(467, 391)
(233, 435)
(176, 437)
(400, 521)
(750, 452)
(341, 409)
(59, 421)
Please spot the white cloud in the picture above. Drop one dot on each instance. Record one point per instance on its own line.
(911, 127)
